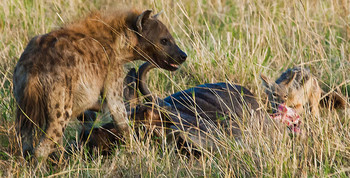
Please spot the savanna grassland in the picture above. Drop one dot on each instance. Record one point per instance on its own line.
(225, 40)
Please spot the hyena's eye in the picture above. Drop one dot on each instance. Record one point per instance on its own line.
(274, 95)
(164, 41)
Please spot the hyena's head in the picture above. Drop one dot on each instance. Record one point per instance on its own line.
(156, 44)
(277, 92)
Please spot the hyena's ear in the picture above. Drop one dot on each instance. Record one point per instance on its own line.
(158, 14)
(265, 81)
(142, 18)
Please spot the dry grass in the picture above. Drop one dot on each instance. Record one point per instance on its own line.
(225, 41)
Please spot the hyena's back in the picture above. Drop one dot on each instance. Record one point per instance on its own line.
(59, 59)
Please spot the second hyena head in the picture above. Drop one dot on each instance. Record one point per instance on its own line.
(156, 44)
(277, 92)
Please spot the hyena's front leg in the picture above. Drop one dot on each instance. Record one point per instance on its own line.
(60, 103)
(115, 103)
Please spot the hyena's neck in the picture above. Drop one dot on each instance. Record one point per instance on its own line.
(116, 30)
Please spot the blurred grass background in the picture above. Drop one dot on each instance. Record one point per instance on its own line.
(226, 40)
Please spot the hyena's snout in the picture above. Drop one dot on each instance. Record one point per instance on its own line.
(178, 56)
(182, 56)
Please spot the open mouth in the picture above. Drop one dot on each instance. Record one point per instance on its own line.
(289, 117)
(172, 66)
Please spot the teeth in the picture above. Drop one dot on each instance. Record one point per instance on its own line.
(174, 65)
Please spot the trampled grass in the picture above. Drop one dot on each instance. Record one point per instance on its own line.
(226, 40)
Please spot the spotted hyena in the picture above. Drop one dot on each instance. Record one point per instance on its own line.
(64, 72)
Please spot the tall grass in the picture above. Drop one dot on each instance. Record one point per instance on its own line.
(226, 40)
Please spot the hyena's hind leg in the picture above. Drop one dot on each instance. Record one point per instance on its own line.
(60, 103)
